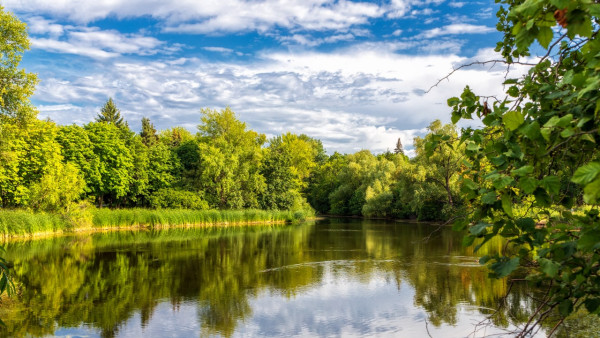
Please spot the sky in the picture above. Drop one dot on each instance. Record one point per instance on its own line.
(354, 74)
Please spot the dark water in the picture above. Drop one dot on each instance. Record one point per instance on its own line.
(329, 278)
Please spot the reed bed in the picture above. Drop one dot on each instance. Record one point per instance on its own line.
(21, 222)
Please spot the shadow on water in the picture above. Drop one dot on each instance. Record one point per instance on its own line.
(332, 277)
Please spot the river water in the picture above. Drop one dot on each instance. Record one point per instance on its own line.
(334, 277)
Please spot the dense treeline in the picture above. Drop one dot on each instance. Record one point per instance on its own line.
(391, 184)
(225, 165)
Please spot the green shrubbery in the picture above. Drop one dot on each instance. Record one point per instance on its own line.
(173, 199)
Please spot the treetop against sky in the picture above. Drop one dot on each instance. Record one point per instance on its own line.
(351, 73)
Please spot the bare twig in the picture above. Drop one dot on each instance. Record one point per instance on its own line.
(493, 62)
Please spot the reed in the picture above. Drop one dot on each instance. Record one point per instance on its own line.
(22, 222)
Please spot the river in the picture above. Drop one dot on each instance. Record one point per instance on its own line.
(333, 277)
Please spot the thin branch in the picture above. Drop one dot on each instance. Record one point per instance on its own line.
(493, 62)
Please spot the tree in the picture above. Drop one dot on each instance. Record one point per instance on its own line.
(399, 149)
(110, 114)
(16, 85)
(112, 164)
(444, 162)
(229, 160)
(546, 131)
(148, 133)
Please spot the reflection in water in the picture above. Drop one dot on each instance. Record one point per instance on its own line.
(327, 278)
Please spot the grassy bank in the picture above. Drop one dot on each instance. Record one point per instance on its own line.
(22, 222)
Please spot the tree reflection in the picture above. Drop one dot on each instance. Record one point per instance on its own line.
(103, 280)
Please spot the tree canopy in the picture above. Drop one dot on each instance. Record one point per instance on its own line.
(539, 149)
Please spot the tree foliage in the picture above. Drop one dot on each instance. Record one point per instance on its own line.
(110, 114)
(539, 149)
(16, 85)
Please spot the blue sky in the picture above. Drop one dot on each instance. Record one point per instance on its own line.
(351, 73)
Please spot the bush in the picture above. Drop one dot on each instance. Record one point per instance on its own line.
(176, 199)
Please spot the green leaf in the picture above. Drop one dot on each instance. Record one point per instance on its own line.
(526, 224)
(565, 307)
(507, 205)
(513, 119)
(489, 198)
(528, 184)
(588, 137)
(453, 101)
(541, 197)
(592, 304)
(560, 3)
(544, 36)
(502, 182)
(484, 259)
(524, 170)
(551, 184)
(549, 267)
(504, 267)
(589, 240)
(531, 130)
(468, 240)
(513, 91)
(587, 173)
(552, 121)
(477, 229)
(567, 133)
(546, 132)
(591, 192)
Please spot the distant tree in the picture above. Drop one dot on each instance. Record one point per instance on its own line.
(110, 114)
(399, 149)
(148, 133)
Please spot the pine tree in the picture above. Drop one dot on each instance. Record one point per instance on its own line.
(110, 114)
(399, 149)
(148, 132)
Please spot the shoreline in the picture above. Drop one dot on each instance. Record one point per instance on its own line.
(20, 224)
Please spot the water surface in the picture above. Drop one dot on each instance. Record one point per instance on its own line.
(333, 277)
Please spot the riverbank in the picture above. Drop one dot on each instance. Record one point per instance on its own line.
(22, 223)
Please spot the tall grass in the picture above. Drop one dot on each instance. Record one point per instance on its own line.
(20, 222)
(104, 218)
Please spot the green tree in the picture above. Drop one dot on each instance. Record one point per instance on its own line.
(324, 180)
(444, 162)
(229, 161)
(110, 114)
(112, 163)
(16, 85)
(546, 129)
(148, 133)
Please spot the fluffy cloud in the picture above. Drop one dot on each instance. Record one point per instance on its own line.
(91, 41)
(352, 99)
(228, 15)
(457, 28)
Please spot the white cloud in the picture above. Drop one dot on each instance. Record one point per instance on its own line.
(455, 29)
(355, 98)
(457, 4)
(219, 50)
(229, 15)
(92, 41)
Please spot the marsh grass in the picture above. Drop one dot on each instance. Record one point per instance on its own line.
(21, 222)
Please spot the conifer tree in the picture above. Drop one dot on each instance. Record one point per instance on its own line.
(110, 114)
(148, 133)
(399, 149)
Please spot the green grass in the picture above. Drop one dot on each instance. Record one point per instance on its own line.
(20, 222)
